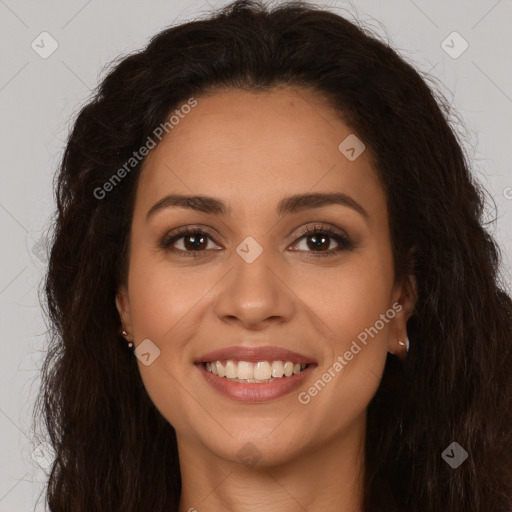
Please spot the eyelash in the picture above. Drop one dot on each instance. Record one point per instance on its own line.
(167, 241)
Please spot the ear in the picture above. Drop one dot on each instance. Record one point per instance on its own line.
(123, 308)
(404, 296)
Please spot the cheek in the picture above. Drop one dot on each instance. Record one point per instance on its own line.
(162, 304)
(351, 306)
(161, 296)
(353, 298)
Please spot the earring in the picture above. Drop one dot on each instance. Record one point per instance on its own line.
(407, 343)
(124, 333)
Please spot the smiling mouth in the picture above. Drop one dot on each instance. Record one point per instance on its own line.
(249, 372)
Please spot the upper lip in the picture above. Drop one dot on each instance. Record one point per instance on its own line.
(255, 354)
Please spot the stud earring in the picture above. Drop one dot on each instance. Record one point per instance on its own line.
(407, 343)
(124, 333)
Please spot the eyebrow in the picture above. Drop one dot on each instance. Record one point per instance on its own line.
(288, 205)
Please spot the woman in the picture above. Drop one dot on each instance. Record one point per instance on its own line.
(270, 287)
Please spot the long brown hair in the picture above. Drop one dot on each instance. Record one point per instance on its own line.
(114, 450)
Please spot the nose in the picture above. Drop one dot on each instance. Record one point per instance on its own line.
(255, 294)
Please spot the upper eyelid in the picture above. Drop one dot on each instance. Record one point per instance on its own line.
(318, 226)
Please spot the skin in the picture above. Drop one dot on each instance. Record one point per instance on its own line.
(251, 150)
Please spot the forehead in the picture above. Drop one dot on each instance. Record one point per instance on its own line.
(255, 147)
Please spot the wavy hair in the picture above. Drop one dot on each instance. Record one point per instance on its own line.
(114, 451)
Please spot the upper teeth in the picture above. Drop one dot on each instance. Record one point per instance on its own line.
(260, 371)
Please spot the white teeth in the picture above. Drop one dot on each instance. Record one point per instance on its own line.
(221, 371)
(277, 369)
(231, 370)
(262, 371)
(288, 368)
(245, 370)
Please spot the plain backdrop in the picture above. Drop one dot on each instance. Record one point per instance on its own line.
(40, 94)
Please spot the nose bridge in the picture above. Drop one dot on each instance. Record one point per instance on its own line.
(254, 291)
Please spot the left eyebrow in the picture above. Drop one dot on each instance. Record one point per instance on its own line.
(288, 205)
(300, 202)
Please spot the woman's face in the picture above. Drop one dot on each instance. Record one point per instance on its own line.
(253, 284)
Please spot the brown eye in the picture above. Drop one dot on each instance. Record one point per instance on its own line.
(194, 242)
(318, 241)
(322, 241)
(187, 242)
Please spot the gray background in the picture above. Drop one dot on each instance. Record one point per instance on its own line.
(38, 98)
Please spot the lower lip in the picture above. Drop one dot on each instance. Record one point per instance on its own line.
(255, 392)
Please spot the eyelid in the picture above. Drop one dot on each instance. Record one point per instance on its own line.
(318, 226)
